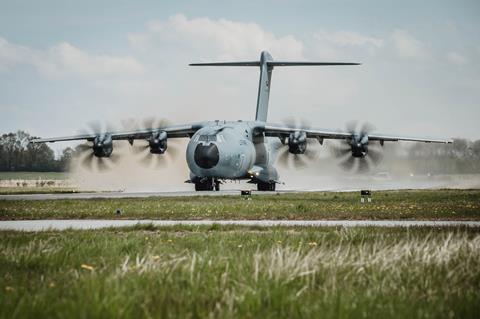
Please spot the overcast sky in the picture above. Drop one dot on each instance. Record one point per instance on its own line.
(65, 63)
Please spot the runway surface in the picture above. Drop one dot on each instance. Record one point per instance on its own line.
(41, 225)
(134, 194)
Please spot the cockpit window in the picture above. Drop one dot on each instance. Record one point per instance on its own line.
(208, 138)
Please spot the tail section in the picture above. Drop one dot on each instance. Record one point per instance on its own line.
(264, 86)
(266, 65)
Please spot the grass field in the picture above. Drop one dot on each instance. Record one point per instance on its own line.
(418, 204)
(241, 272)
(33, 175)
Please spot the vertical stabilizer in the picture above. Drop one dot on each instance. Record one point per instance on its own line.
(264, 86)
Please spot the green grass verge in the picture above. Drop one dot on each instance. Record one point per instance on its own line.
(200, 272)
(33, 175)
(421, 204)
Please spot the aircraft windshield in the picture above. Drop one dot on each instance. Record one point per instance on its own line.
(208, 138)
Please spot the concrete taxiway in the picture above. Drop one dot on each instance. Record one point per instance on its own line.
(42, 225)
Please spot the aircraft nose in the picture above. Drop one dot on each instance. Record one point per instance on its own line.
(206, 156)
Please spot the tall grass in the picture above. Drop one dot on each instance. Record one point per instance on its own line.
(241, 272)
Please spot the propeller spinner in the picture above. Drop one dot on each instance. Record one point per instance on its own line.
(98, 155)
(296, 150)
(153, 150)
(357, 152)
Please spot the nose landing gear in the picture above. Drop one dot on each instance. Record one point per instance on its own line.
(207, 184)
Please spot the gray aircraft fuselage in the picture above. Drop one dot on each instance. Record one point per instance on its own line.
(230, 150)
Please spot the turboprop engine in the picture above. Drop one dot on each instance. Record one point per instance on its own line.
(102, 145)
(359, 145)
(297, 142)
(158, 142)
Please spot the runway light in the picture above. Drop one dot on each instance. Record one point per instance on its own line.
(365, 194)
(246, 194)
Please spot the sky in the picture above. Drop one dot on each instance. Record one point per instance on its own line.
(66, 63)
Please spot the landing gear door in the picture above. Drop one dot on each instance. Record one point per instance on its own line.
(240, 162)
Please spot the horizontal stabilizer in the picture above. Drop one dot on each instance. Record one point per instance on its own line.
(280, 63)
(272, 63)
(249, 63)
(266, 63)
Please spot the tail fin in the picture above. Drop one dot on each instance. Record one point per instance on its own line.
(266, 65)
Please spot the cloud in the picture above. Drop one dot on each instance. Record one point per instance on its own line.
(64, 59)
(406, 45)
(347, 38)
(456, 58)
(223, 38)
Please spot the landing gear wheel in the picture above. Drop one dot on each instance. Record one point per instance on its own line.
(217, 185)
(261, 186)
(206, 185)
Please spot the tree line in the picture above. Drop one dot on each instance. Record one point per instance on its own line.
(17, 154)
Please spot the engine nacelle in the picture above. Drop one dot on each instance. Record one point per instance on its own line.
(359, 145)
(297, 142)
(102, 145)
(158, 142)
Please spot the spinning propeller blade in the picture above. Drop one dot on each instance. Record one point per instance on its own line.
(343, 150)
(289, 160)
(143, 149)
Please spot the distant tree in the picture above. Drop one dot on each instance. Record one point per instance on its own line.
(40, 157)
(17, 154)
(65, 159)
(12, 151)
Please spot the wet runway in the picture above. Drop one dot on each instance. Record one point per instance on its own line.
(42, 225)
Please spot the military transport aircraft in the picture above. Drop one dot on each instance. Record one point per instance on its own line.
(244, 150)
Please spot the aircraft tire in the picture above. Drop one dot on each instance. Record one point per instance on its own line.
(265, 186)
(207, 185)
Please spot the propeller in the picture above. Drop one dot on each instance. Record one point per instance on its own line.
(96, 155)
(357, 153)
(148, 123)
(296, 150)
(153, 151)
(153, 123)
(148, 159)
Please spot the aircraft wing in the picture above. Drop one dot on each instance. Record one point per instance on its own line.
(321, 134)
(174, 131)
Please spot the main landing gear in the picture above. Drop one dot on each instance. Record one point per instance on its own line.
(207, 184)
(261, 186)
(211, 184)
